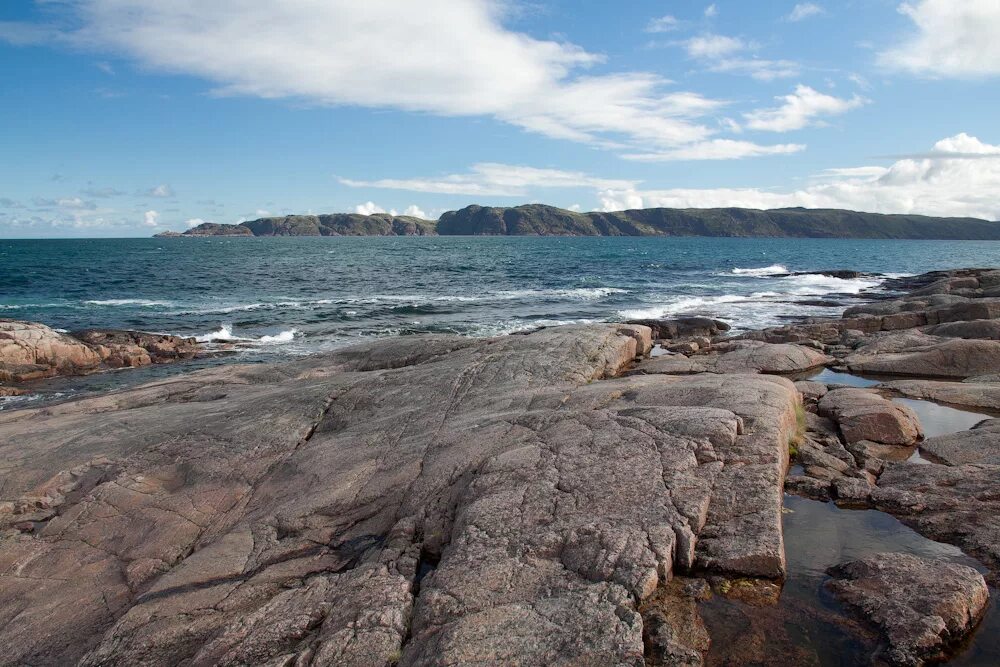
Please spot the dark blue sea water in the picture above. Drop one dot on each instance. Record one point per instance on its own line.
(286, 296)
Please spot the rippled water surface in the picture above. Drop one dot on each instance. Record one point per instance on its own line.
(297, 295)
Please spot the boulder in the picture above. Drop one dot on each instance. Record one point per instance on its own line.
(864, 415)
(670, 365)
(980, 444)
(922, 607)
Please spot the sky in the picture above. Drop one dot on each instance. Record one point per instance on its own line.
(130, 117)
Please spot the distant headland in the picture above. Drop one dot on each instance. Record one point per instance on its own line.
(543, 220)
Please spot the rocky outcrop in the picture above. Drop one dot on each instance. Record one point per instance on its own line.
(425, 500)
(30, 351)
(683, 327)
(336, 224)
(922, 607)
(757, 357)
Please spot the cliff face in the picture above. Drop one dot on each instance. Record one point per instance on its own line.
(541, 220)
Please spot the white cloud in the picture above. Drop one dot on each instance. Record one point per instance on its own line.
(162, 191)
(151, 219)
(958, 177)
(711, 10)
(713, 46)
(804, 10)
(415, 211)
(460, 60)
(800, 109)
(717, 149)
(194, 222)
(666, 23)
(953, 38)
(368, 208)
(493, 179)
(721, 53)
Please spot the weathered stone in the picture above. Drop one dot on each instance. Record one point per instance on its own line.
(980, 444)
(493, 497)
(956, 504)
(811, 391)
(120, 349)
(756, 357)
(670, 365)
(982, 329)
(967, 394)
(864, 415)
(26, 347)
(958, 358)
(921, 606)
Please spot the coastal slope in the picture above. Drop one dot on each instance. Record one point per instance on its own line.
(543, 220)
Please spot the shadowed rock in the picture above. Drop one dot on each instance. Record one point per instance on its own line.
(969, 394)
(980, 444)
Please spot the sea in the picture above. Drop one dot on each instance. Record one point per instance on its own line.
(292, 296)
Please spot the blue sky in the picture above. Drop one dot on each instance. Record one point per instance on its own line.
(127, 117)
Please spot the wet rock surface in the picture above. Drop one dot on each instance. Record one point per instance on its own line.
(428, 500)
(921, 606)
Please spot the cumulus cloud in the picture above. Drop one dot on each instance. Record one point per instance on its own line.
(711, 10)
(959, 176)
(151, 219)
(162, 191)
(415, 211)
(493, 179)
(460, 60)
(368, 208)
(194, 222)
(804, 10)
(800, 109)
(950, 39)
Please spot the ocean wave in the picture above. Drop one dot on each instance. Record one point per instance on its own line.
(815, 284)
(225, 333)
(684, 305)
(127, 302)
(584, 293)
(774, 269)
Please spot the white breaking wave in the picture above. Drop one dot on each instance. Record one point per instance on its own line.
(772, 270)
(815, 284)
(225, 333)
(127, 302)
(700, 304)
(277, 339)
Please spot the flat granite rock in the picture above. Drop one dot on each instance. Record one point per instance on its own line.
(863, 415)
(980, 444)
(954, 504)
(921, 606)
(967, 394)
(953, 358)
(428, 500)
(747, 356)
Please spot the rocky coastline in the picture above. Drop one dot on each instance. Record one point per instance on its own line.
(578, 495)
